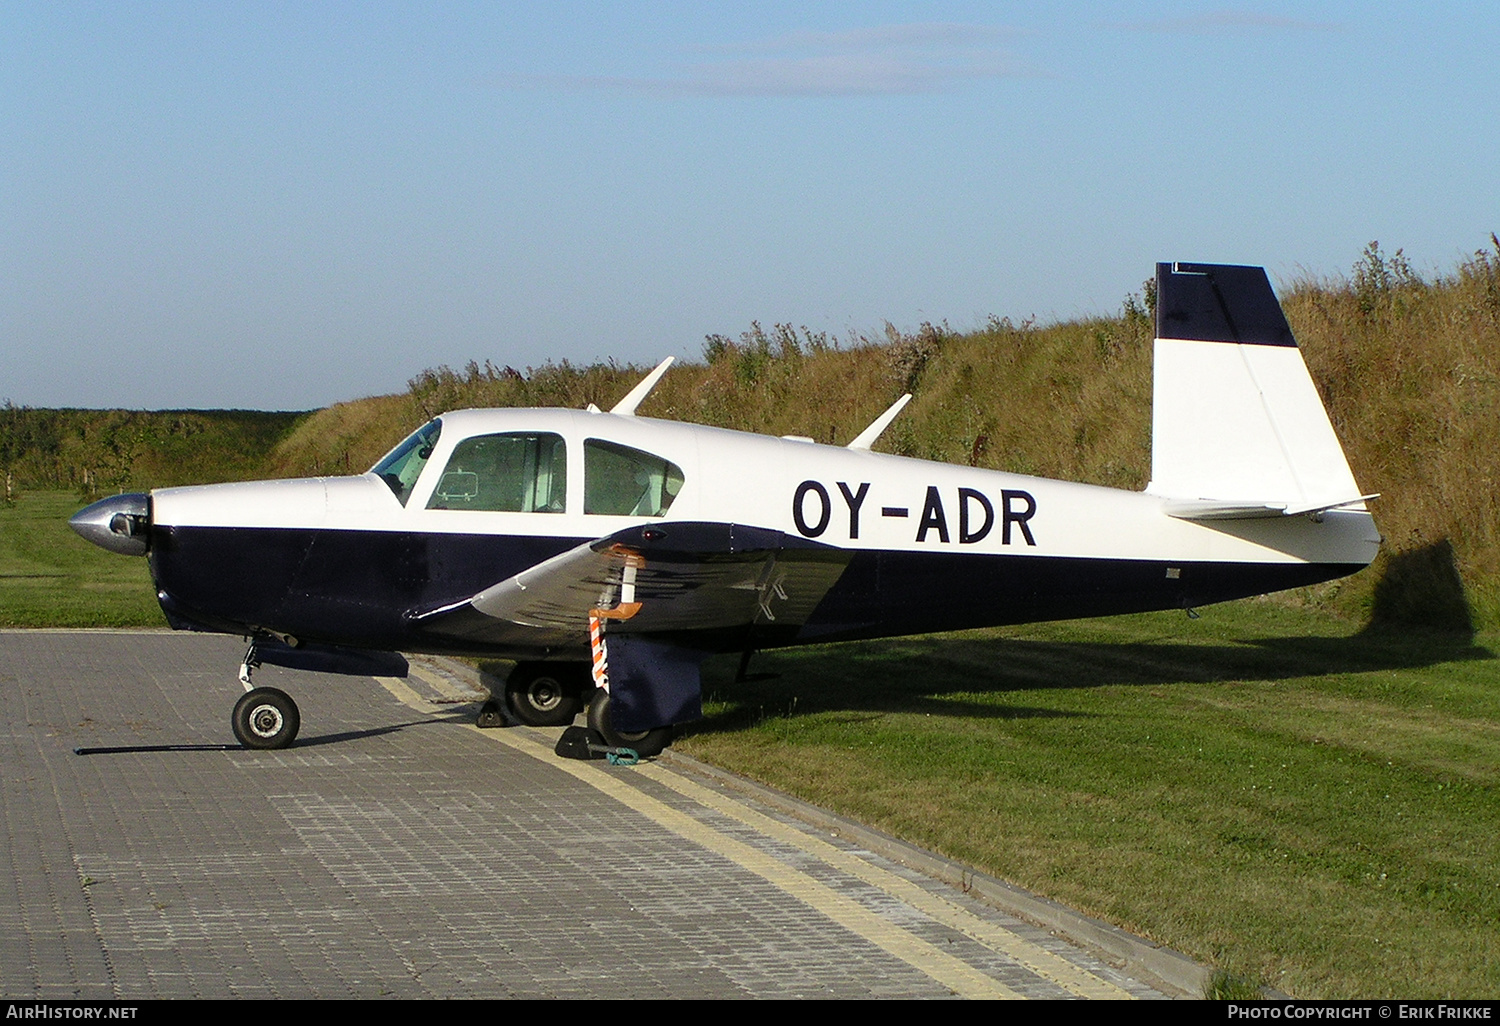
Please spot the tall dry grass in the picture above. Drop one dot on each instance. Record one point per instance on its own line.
(1409, 368)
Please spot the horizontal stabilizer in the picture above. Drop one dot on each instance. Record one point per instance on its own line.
(1355, 503)
(1205, 509)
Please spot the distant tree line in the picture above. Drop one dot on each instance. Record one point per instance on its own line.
(99, 452)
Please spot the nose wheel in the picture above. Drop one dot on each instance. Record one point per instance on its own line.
(266, 718)
(263, 717)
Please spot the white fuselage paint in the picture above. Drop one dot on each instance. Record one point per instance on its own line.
(852, 499)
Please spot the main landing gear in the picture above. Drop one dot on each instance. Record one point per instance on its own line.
(552, 694)
(645, 742)
(547, 694)
(263, 717)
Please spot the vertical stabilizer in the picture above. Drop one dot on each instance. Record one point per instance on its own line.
(1235, 416)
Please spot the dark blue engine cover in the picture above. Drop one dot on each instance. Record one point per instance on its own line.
(652, 683)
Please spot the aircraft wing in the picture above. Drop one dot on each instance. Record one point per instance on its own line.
(662, 578)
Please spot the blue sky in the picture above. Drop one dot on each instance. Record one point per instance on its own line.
(282, 205)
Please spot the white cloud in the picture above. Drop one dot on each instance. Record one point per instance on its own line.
(911, 58)
(1228, 23)
(909, 35)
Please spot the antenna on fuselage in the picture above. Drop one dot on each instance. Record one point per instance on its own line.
(626, 407)
(868, 435)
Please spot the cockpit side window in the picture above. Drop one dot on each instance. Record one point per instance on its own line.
(622, 481)
(403, 465)
(505, 473)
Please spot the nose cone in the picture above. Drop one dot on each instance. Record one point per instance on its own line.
(118, 523)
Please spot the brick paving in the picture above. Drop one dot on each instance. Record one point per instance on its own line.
(398, 852)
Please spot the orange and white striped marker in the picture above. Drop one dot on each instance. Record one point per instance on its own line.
(596, 643)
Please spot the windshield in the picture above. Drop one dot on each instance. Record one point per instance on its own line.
(403, 464)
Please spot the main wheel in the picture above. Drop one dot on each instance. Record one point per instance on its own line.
(266, 718)
(546, 694)
(645, 742)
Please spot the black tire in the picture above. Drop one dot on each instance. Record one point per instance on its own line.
(266, 718)
(546, 694)
(646, 743)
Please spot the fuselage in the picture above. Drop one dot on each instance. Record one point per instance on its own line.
(908, 546)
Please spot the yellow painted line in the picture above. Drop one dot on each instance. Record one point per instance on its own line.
(1039, 960)
(953, 973)
(405, 695)
(418, 670)
(448, 687)
(847, 913)
(408, 696)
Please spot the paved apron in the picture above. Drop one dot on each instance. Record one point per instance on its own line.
(398, 851)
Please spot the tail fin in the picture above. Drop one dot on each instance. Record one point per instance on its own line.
(1237, 428)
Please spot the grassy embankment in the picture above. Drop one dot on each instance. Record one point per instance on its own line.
(1409, 369)
(1299, 790)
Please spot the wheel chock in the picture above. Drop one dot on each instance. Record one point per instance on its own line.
(579, 743)
(583, 743)
(490, 715)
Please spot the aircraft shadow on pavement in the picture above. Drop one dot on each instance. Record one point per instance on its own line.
(302, 741)
(932, 674)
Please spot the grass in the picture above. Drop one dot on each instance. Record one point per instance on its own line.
(50, 577)
(1266, 789)
(1226, 986)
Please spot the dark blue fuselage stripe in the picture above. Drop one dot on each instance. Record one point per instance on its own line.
(357, 588)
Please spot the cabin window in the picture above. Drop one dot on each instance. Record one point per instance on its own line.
(509, 473)
(402, 466)
(622, 481)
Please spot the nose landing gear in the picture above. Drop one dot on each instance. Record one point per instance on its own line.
(266, 718)
(263, 717)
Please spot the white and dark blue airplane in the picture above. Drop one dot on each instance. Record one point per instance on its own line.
(609, 554)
